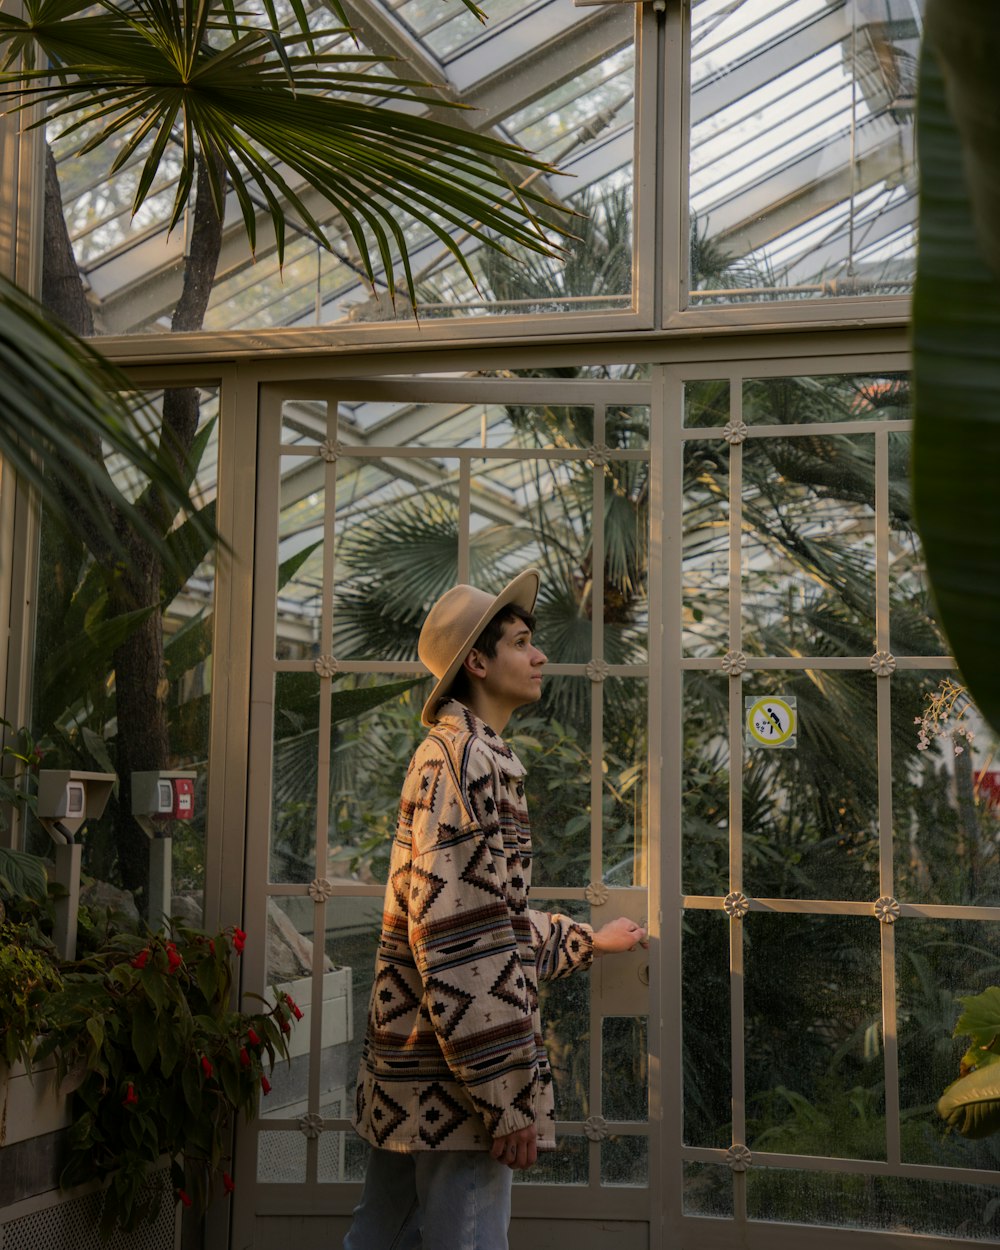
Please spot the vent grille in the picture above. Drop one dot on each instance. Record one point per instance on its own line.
(73, 1225)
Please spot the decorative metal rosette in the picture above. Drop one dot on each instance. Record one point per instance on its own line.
(597, 670)
(597, 893)
(330, 449)
(736, 904)
(734, 663)
(735, 431)
(598, 454)
(326, 665)
(596, 1127)
(320, 890)
(311, 1124)
(887, 909)
(882, 663)
(738, 1158)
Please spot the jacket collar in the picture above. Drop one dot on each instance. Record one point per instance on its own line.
(455, 717)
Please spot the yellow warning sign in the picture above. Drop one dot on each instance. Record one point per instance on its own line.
(771, 722)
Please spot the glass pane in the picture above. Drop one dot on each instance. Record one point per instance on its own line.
(396, 541)
(945, 794)
(376, 728)
(568, 1164)
(938, 962)
(887, 1203)
(706, 403)
(705, 785)
(706, 1018)
(342, 1157)
(833, 397)
(625, 1161)
(565, 1012)
(626, 561)
(810, 813)
(707, 1190)
(814, 1078)
(281, 1158)
(113, 693)
(303, 422)
(802, 166)
(353, 925)
(625, 1071)
(291, 930)
(624, 820)
(705, 612)
(913, 629)
(552, 740)
(299, 606)
(808, 545)
(295, 763)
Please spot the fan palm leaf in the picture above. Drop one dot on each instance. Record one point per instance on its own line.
(277, 113)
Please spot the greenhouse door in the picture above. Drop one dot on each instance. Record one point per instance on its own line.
(371, 499)
(837, 878)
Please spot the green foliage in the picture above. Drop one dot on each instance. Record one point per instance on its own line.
(143, 1030)
(61, 400)
(956, 328)
(971, 1105)
(27, 977)
(257, 98)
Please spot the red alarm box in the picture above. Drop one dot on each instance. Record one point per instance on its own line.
(183, 798)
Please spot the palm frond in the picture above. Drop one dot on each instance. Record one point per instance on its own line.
(284, 118)
(69, 401)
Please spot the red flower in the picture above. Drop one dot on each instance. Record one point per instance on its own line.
(183, 1197)
(228, 1182)
(141, 960)
(206, 1067)
(293, 1007)
(265, 1084)
(244, 1057)
(173, 957)
(286, 1028)
(239, 941)
(252, 1038)
(131, 1097)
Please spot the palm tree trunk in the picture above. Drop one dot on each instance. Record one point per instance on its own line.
(142, 737)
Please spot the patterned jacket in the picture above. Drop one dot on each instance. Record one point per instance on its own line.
(454, 1055)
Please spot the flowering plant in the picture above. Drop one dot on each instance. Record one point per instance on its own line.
(161, 1064)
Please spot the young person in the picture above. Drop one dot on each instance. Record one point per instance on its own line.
(455, 1089)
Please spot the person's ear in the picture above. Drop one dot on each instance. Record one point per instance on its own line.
(474, 664)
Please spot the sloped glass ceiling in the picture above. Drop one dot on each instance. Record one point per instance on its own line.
(802, 173)
(802, 181)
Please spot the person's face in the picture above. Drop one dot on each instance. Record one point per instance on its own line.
(513, 677)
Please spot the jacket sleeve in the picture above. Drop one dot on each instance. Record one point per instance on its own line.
(564, 945)
(463, 942)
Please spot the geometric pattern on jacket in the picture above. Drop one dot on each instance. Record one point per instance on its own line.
(454, 1054)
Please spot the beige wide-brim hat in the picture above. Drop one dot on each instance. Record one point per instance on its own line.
(455, 622)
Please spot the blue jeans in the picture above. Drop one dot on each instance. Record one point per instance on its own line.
(432, 1200)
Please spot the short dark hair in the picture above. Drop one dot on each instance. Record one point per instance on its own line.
(487, 643)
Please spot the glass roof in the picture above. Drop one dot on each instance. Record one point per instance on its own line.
(802, 177)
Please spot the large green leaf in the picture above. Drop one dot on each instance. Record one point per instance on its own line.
(956, 332)
(980, 1018)
(22, 875)
(972, 1103)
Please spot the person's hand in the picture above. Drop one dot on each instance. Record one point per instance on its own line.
(517, 1150)
(619, 935)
